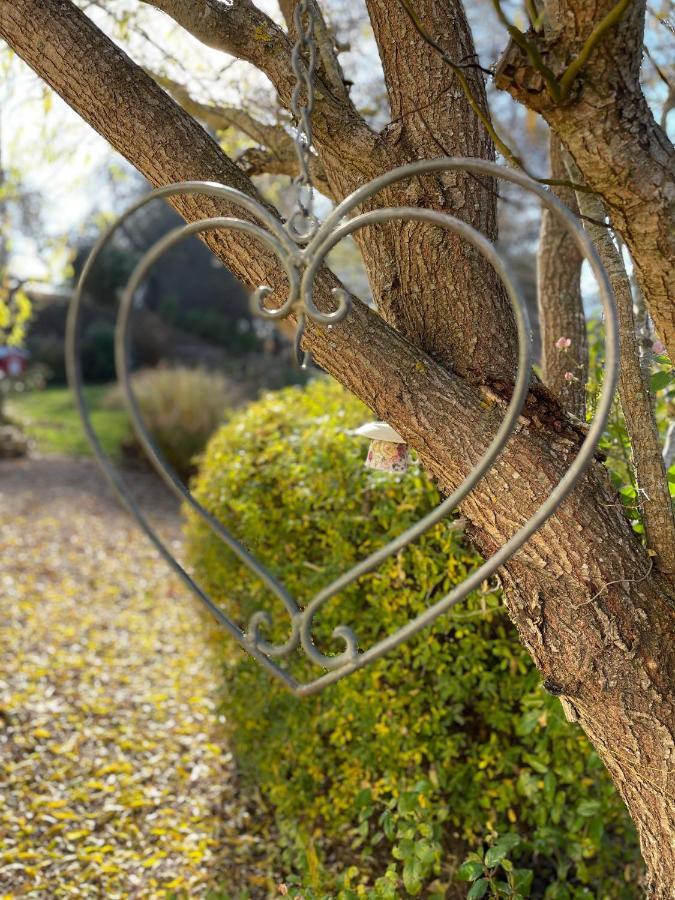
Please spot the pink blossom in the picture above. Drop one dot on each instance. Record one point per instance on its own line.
(563, 343)
(568, 376)
(658, 348)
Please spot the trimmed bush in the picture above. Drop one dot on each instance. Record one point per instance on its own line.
(381, 784)
(181, 408)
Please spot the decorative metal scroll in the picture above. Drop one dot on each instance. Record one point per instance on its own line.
(301, 264)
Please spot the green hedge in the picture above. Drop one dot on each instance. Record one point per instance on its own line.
(381, 784)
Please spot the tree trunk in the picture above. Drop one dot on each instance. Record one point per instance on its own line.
(597, 621)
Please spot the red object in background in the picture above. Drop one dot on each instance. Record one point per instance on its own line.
(13, 361)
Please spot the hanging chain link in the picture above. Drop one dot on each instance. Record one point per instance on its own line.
(302, 223)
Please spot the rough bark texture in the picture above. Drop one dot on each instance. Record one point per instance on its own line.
(598, 622)
(431, 117)
(610, 132)
(561, 311)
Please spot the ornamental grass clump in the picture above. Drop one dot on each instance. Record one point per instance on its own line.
(384, 782)
(181, 408)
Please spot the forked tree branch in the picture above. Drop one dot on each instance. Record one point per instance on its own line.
(623, 154)
(245, 32)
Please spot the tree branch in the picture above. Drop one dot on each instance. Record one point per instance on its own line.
(636, 400)
(220, 118)
(453, 125)
(242, 30)
(562, 322)
(329, 63)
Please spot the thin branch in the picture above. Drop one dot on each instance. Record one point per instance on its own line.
(669, 447)
(326, 45)
(220, 118)
(609, 584)
(328, 55)
(561, 311)
(160, 48)
(244, 31)
(275, 154)
(669, 102)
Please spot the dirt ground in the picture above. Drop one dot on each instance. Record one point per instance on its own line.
(115, 778)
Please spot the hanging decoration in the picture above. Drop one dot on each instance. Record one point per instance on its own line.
(301, 245)
(388, 452)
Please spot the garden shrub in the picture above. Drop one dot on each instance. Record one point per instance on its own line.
(181, 408)
(384, 782)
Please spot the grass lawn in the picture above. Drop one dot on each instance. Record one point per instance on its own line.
(49, 418)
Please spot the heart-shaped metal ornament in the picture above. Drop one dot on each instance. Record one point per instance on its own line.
(301, 257)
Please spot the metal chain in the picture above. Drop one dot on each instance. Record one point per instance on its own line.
(302, 223)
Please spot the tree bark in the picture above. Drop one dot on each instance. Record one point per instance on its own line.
(561, 311)
(597, 621)
(607, 127)
(473, 328)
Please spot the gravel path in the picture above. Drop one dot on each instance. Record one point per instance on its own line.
(114, 778)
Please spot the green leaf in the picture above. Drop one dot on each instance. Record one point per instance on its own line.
(509, 841)
(408, 802)
(596, 829)
(588, 808)
(478, 889)
(411, 877)
(522, 880)
(469, 871)
(660, 380)
(426, 853)
(388, 826)
(495, 855)
(528, 722)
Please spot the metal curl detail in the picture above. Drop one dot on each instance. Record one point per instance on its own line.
(301, 264)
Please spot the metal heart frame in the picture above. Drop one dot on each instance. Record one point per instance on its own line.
(301, 265)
